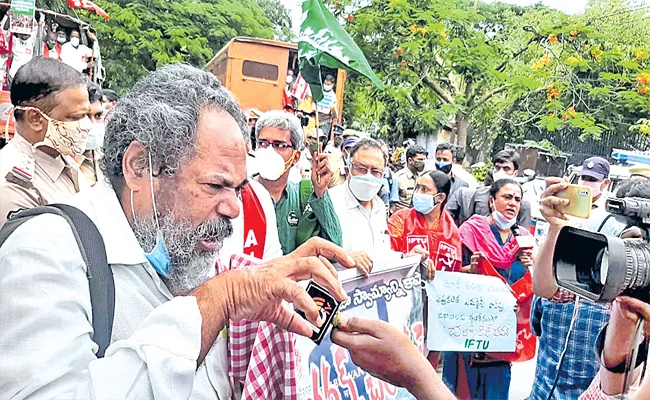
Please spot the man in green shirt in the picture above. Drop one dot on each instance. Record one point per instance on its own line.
(279, 139)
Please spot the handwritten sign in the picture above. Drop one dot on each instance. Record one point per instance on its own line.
(470, 312)
(393, 293)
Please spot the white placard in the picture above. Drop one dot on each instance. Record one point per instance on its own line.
(469, 312)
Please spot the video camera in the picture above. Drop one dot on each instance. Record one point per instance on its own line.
(600, 268)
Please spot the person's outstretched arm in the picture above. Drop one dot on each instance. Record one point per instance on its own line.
(389, 355)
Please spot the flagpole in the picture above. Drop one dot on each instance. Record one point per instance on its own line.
(320, 145)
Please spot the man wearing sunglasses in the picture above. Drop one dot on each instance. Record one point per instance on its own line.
(279, 139)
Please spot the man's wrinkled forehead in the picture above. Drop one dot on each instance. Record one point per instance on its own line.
(221, 146)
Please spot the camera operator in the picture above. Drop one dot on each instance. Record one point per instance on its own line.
(624, 314)
(565, 370)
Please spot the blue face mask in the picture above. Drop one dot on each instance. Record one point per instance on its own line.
(424, 203)
(443, 167)
(159, 257)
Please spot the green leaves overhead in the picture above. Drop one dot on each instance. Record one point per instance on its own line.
(143, 35)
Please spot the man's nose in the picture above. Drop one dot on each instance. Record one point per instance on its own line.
(230, 205)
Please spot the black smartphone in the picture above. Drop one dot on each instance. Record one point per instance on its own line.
(328, 308)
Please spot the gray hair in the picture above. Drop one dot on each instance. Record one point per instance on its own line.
(283, 121)
(162, 112)
(366, 143)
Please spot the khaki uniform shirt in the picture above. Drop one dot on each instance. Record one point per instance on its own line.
(407, 181)
(33, 178)
(89, 166)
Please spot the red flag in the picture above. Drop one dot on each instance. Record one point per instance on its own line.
(90, 6)
(300, 91)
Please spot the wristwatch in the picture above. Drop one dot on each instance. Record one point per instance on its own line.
(642, 354)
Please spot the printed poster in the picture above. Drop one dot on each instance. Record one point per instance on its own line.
(393, 293)
(22, 19)
(468, 312)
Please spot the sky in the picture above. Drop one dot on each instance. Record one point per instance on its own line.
(568, 6)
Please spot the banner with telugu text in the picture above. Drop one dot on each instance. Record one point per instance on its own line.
(22, 16)
(468, 312)
(392, 294)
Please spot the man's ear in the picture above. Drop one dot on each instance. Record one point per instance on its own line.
(296, 158)
(36, 122)
(605, 183)
(135, 167)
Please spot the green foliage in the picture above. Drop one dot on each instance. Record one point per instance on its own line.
(480, 173)
(506, 70)
(143, 35)
(279, 16)
(443, 62)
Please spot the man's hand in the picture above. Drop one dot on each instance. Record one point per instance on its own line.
(320, 165)
(388, 354)
(549, 202)
(257, 293)
(431, 269)
(362, 261)
(619, 338)
(625, 314)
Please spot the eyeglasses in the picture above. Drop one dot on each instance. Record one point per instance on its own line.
(361, 170)
(277, 145)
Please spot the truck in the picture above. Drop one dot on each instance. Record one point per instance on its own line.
(255, 69)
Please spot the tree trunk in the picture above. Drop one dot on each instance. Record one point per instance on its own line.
(462, 126)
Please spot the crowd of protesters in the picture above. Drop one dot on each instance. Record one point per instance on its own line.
(208, 215)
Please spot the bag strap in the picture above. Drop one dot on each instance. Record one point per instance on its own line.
(92, 249)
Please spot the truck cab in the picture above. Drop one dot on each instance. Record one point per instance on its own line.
(255, 70)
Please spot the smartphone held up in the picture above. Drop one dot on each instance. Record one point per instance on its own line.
(580, 201)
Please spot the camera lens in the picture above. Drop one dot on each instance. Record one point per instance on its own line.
(637, 263)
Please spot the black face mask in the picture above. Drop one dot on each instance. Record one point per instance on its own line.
(444, 168)
(418, 165)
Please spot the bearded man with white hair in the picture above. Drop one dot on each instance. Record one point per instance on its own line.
(175, 163)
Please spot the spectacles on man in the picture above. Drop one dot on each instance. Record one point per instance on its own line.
(361, 170)
(277, 144)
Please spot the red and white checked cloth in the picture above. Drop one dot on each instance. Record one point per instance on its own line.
(595, 392)
(262, 355)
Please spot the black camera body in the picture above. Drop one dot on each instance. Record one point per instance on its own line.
(599, 267)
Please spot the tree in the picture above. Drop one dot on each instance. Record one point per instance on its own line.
(278, 14)
(594, 70)
(143, 35)
(443, 61)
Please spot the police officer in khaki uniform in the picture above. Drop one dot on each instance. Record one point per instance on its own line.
(407, 178)
(37, 166)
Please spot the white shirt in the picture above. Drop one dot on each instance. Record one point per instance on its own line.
(462, 173)
(611, 226)
(23, 51)
(362, 231)
(45, 313)
(235, 243)
(77, 57)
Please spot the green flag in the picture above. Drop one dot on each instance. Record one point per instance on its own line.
(324, 42)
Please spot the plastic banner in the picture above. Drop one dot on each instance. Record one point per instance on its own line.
(393, 293)
(469, 312)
